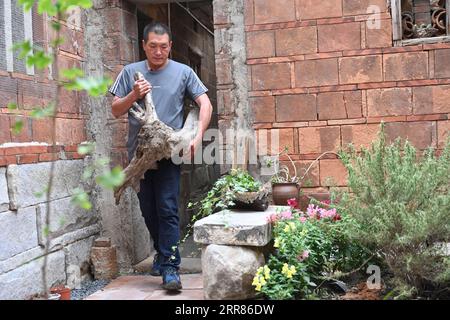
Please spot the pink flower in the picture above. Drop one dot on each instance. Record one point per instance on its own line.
(272, 218)
(286, 215)
(292, 203)
(311, 211)
(303, 256)
(302, 219)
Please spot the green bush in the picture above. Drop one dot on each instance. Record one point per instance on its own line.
(401, 205)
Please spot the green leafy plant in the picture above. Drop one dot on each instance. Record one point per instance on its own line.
(222, 195)
(310, 247)
(400, 201)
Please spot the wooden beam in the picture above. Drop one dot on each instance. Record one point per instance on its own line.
(396, 13)
(447, 7)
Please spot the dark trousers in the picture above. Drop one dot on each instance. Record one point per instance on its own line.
(158, 199)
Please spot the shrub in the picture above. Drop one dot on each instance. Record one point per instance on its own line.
(401, 205)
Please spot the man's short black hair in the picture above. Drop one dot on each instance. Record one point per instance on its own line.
(158, 28)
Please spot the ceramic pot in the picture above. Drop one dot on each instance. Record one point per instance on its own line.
(282, 192)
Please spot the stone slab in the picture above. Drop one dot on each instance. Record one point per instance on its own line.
(18, 232)
(236, 227)
(4, 198)
(74, 236)
(64, 241)
(64, 217)
(25, 281)
(25, 181)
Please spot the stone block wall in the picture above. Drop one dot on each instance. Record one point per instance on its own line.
(320, 77)
(98, 41)
(25, 161)
(23, 233)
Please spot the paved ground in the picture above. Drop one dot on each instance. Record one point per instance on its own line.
(146, 287)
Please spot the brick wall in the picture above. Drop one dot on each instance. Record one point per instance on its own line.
(121, 49)
(38, 90)
(323, 78)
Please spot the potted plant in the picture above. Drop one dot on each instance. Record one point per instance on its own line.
(236, 190)
(284, 185)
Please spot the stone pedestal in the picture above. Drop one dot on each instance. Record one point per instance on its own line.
(104, 259)
(234, 242)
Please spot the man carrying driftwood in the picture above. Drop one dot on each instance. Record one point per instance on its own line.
(168, 82)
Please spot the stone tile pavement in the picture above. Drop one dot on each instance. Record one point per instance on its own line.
(146, 287)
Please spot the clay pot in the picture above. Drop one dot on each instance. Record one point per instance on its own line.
(282, 192)
(63, 291)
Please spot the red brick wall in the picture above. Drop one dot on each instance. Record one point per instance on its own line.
(29, 92)
(121, 49)
(324, 79)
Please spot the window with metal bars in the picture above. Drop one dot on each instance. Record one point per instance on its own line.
(420, 21)
(16, 26)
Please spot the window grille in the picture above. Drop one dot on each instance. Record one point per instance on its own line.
(420, 21)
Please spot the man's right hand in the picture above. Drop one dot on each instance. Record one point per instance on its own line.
(141, 88)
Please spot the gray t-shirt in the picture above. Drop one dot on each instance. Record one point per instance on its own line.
(173, 82)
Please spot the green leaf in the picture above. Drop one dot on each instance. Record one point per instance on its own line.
(62, 221)
(111, 179)
(81, 199)
(102, 162)
(27, 4)
(48, 7)
(39, 59)
(87, 173)
(72, 73)
(17, 127)
(86, 148)
(46, 231)
(67, 4)
(94, 86)
(56, 25)
(39, 113)
(57, 42)
(24, 48)
(12, 106)
(40, 194)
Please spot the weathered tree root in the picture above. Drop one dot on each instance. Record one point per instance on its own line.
(156, 141)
